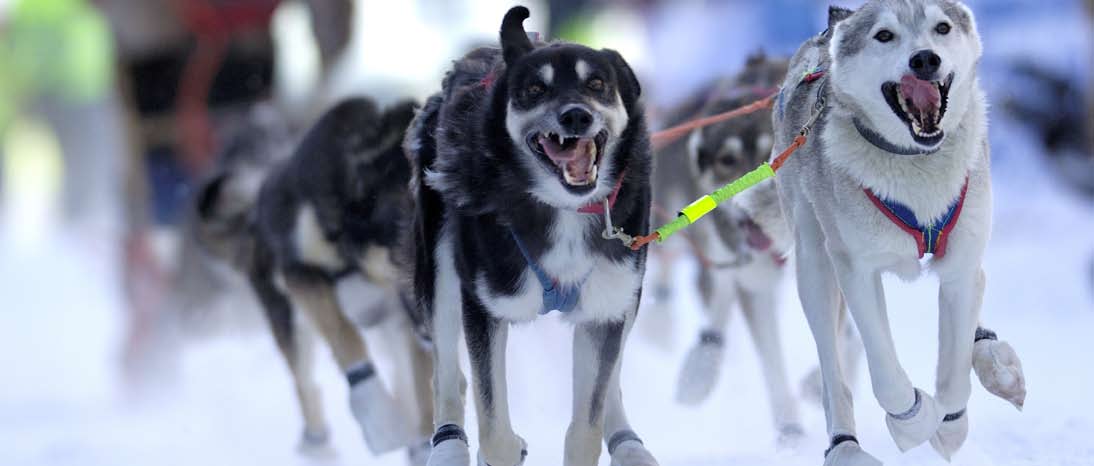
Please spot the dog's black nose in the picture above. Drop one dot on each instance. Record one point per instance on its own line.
(576, 120)
(925, 64)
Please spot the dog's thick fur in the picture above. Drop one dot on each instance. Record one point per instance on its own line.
(843, 243)
(482, 184)
(331, 212)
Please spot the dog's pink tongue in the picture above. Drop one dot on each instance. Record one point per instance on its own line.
(577, 160)
(923, 94)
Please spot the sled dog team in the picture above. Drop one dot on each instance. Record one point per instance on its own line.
(530, 150)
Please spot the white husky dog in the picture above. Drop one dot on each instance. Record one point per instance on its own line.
(896, 168)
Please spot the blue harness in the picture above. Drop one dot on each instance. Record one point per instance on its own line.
(555, 296)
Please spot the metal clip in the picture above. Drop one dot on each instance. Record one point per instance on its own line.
(611, 232)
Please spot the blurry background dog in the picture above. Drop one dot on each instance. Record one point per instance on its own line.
(314, 237)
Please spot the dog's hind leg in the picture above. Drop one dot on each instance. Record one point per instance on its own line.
(624, 445)
(820, 299)
(421, 368)
(959, 300)
(913, 416)
(487, 337)
(296, 348)
(703, 363)
(382, 421)
(762, 318)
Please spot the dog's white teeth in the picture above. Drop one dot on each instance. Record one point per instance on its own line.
(592, 172)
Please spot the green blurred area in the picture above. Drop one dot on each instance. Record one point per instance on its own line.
(53, 48)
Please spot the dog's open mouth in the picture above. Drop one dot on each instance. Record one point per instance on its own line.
(576, 159)
(921, 105)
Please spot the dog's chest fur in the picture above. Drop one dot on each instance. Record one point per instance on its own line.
(571, 255)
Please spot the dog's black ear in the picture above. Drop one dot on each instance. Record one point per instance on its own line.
(208, 197)
(629, 88)
(514, 41)
(837, 14)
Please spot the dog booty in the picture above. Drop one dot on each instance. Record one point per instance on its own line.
(999, 369)
(849, 454)
(383, 423)
(951, 435)
(515, 461)
(910, 429)
(626, 449)
(449, 447)
(701, 369)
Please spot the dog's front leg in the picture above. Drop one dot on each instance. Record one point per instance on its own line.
(703, 363)
(959, 300)
(450, 447)
(596, 355)
(624, 445)
(760, 314)
(486, 341)
(913, 416)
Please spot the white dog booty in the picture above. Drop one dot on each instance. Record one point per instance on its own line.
(845, 451)
(382, 422)
(626, 449)
(951, 434)
(998, 368)
(450, 447)
(701, 368)
(917, 425)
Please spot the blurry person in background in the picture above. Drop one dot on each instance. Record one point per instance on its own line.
(189, 69)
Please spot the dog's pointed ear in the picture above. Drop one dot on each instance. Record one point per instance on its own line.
(629, 88)
(514, 41)
(837, 14)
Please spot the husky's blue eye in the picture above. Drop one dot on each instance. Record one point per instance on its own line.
(942, 28)
(884, 36)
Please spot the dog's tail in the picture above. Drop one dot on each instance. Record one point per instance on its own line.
(420, 146)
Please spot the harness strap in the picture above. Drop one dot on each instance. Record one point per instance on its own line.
(555, 296)
(929, 239)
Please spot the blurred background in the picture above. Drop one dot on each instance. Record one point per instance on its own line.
(112, 111)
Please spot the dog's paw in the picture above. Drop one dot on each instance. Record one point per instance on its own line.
(315, 443)
(632, 453)
(1000, 371)
(417, 454)
(506, 450)
(910, 429)
(790, 437)
(383, 423)
(449, 447)
(702, 366)
(812, 387)
(849, 454)
(951, 435)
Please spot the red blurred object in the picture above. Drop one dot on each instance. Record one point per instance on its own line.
(214, 23)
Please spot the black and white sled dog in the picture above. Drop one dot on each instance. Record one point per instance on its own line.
(896, 168)
(332, 212)
(523, 156)
(738, 264)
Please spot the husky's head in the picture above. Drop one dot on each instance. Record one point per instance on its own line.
(567, 108)
(906, 69)
(724, 152)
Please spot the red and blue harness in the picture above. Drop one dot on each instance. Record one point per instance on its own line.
(930, 239)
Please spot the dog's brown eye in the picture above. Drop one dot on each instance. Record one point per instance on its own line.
(534, 90)
(595, 84)
(884, 36)
(942, 28)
